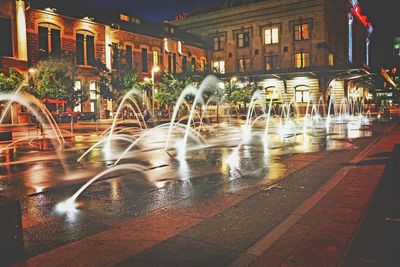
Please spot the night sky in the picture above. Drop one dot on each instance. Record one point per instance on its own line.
(384, 14)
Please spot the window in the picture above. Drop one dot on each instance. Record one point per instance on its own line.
(184, 64)
(203, 65)
(115, 60)
(180, 47)
(124, 17)
(90, 50)
(272, 93)
(174, 62)
(166, 45)
(301, 32)
(6, 38)
(271, 35)
(243, 40)
(78, 87)
(271, 62)
(155, 58)
(49, 41)
(80, 50)
(169, 63)
(331, 59)
(302, 60)
(93, 96)
(218, 43)
(145, 68)
(219, 66)
(243, 64)
(85, 49)
(302, 94)
(128, 55)
(43, 42)
(193, 64)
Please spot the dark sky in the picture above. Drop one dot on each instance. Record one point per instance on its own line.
(384, 14)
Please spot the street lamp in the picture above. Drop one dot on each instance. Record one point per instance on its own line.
(154, 70)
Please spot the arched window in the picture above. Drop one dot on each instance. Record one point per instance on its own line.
(302, 93)
(271, 93)
(49, 39)
(85, 54)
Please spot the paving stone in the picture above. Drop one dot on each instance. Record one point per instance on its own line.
(182, 251)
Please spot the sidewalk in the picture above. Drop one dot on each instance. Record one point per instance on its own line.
(320, 231)
(307, 219)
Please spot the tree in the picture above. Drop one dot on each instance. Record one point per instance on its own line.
(116, 82)
(170, 87)
(12, 81)
(55, 79)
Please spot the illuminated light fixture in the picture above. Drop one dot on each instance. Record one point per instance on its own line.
(31, 71)
(234, 79)
(50, 9)
(146, 79)
(88, 18)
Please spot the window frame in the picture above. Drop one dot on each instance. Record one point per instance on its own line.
(85, 34)
(301, 33)
(271, 35)
(302, 89)
(243, 39)
(304, 58)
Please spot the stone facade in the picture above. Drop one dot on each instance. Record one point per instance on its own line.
(327, 33)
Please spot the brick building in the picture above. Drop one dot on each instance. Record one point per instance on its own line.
(34, 29)
(303, 48)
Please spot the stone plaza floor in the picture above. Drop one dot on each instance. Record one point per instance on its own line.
(308, 214)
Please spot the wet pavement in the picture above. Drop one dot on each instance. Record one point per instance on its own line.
(205, 210)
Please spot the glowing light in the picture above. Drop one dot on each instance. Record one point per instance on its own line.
(32, 71)
(50, 9)
(234, 79)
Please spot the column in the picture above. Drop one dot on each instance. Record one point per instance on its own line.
(350, 17)
(21, 30)
(367, 51)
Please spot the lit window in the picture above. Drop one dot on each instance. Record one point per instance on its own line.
(180, 47)
(93, 96)
(155, 58)
(219, 66)
(193, 64)
(301, 32)
(166, 45)
(331, 59)
(202, 65)
(78, 87)
(243, 40)
(271, 35)
(302, 94)
(302, 60)
(218, 43)
(123, 17)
